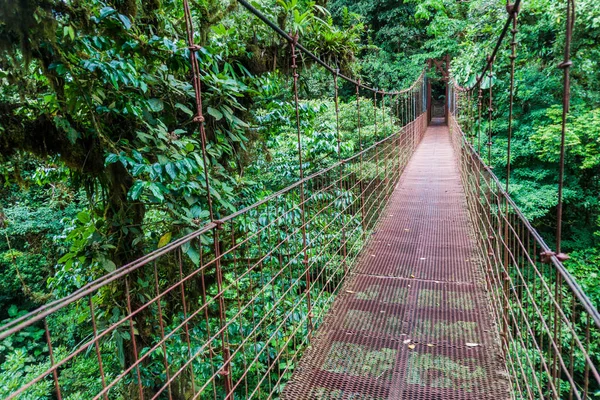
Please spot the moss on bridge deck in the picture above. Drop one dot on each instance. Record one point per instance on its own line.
(413, 321)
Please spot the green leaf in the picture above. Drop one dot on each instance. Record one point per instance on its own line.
(170, 168)
(184, 108)
(13, 311)
(136, 191)
(162, 159)
(111, 159)
(69, 31)
(49, 99)
(156, 105)
(138, 169)
(65, 258)
(215, 113)
(155, 189)
(239, 122)
(164, 240)
(83, 217)
(193, 254)
(198, 212)
(126, 22)
(108, 265)
(106, 11)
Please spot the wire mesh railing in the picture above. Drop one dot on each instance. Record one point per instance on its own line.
(226, 311)
(550, 330)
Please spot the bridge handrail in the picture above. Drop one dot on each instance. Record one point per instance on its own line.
(49, 308)
(43, 311)
(368, 181)
(367, 188)
(566, 275)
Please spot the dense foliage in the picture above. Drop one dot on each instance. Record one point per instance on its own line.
(538, 96)
(467, 31)
(100, 159)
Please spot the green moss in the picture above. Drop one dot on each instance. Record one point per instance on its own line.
(392, 323)
(371, 292)
(442, 372)
(357, 360)
(436, 298)
(395, 296)
(367, 321)
(358, 320)
(321, 393)
(458, 330)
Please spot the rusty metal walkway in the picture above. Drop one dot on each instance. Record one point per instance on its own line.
(414, 319)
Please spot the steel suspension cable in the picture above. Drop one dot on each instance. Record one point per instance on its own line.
(565, 66)
(294, 67)
(341, 166)
(490, 111)
(360, 145)
(479, 112)
(513, 55)
(491, 57)
(303, 49)
(200, 120)
(196, 81)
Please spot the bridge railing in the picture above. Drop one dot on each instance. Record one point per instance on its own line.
(225, 311)
(550, 330)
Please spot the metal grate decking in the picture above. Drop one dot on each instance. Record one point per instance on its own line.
(413, 320)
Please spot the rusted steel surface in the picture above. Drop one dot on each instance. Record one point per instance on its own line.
(413, 320)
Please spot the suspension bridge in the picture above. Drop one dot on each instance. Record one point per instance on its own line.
(405, 271)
